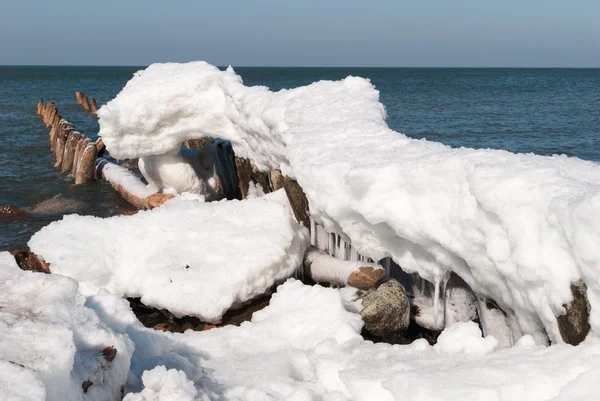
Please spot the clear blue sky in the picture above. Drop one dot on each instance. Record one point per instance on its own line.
(471, 33)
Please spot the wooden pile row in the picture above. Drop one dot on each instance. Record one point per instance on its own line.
(74, 152)
(88, 105)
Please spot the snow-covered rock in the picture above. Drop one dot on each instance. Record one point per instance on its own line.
(50, 345)
(516, 228)
(189, 257)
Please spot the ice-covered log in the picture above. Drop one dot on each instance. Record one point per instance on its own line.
(323, 268)
(131, 188)
(297, 200)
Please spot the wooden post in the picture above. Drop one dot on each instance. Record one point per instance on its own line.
(244, 171)
(297, 200)
(84, 102)
(81, 144)
(40, 106)
(100, 147)
(276, 180)
(85, 170)
(69, 152)
(93, 105)
(61, 141)
(78, 96)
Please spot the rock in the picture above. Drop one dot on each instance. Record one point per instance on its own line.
(386, 310)
(574, 325)
(11, 211)
(366, 277)
(86, 385)
(109, 353)
(27, 260)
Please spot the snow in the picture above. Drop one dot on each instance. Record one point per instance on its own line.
(517, 228)
(189, 257)
(50, 344)
(306, 346)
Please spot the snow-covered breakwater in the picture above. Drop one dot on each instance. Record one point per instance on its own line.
(518, 229)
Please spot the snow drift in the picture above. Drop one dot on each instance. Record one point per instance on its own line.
(306, 346)
(517, 228)
(189, 257)
(50, 345)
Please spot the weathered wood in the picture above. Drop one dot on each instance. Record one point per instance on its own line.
(81, 145)
(276, 180)
(84, 102)
(85, 170)
(69, 152)
(297, 200)
(574, 325)
(100, 147)
(93, 105)
(30, 261)
(244, 172)
(78, 96)
(260, 178)
(61, 141)
(40, 106)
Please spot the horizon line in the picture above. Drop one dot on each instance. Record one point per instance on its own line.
(315, 66)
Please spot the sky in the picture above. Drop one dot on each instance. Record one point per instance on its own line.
(380, 33)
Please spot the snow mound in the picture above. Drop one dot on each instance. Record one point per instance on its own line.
(516, 228)
(189, 257)
(50, 345)
(465, 338)
(294, 349)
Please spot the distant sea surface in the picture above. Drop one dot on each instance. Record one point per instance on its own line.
(543, 111)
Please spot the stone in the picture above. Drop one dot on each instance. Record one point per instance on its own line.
(386, 309)
(574, 325)
(11, 211)
(109, 353)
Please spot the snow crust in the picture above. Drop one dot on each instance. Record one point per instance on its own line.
(189, 257)
(306, 346)
(517, 228)
(50, 344)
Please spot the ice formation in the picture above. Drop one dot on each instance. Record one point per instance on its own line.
(306, 346)
(189, 257)
(517, 228)
(50, 345)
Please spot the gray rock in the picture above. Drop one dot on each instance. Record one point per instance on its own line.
(386, 309)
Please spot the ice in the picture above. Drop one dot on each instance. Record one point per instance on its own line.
(517, 228)
(306, 345)
(189, 257)
(50, 344)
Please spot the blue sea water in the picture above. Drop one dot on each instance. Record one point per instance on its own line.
(543, 111)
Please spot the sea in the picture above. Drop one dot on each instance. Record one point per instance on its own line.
(542, 111)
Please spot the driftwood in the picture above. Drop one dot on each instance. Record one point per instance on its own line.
(322, 267)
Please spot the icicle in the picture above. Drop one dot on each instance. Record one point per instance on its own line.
(332, 244)
(388, 266)
(436, 301)
(313, 233)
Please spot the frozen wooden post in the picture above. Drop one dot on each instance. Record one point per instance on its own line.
(61, 141)
(276, 180)
(244, 171)
(85, 170)
(93, 105)
(100, 147)
(81, 145)
(297, 200)
(68, 158)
